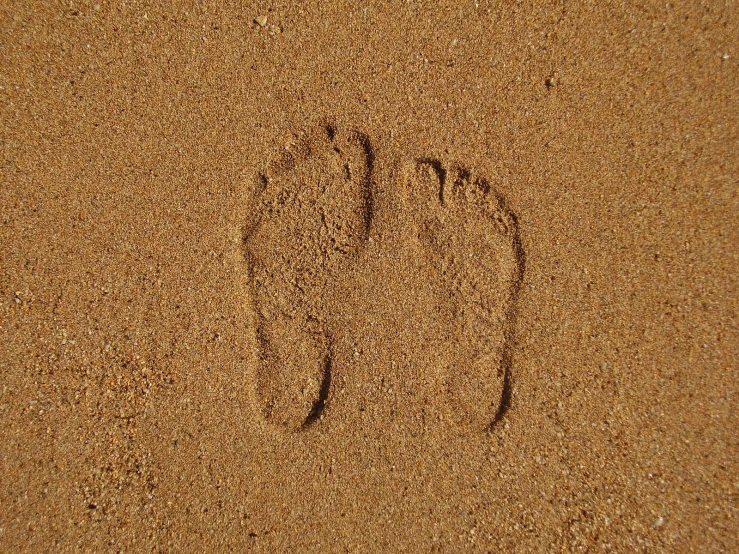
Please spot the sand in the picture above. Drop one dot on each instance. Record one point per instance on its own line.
(369, 277)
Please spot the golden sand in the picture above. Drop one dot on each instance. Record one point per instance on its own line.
(369, 277)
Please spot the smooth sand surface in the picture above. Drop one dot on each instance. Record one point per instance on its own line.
(369, 277)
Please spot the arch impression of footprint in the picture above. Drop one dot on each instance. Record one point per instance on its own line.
(443, 271)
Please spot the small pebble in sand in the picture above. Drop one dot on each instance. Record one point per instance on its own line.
(725, 56)
(261, 20)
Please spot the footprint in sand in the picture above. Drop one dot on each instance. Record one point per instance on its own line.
(312, 218)
(475, 259)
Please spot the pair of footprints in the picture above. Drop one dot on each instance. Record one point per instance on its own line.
(314, 210)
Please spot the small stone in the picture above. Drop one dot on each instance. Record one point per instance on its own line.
(550, 82)
(261, 20)
(660, 522)
(725, 56)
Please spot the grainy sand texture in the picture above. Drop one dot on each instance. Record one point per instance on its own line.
(397, 276)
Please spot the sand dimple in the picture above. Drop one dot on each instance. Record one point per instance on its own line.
(475, 258)
(313, 216)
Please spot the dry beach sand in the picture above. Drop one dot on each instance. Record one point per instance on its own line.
(391, 276)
